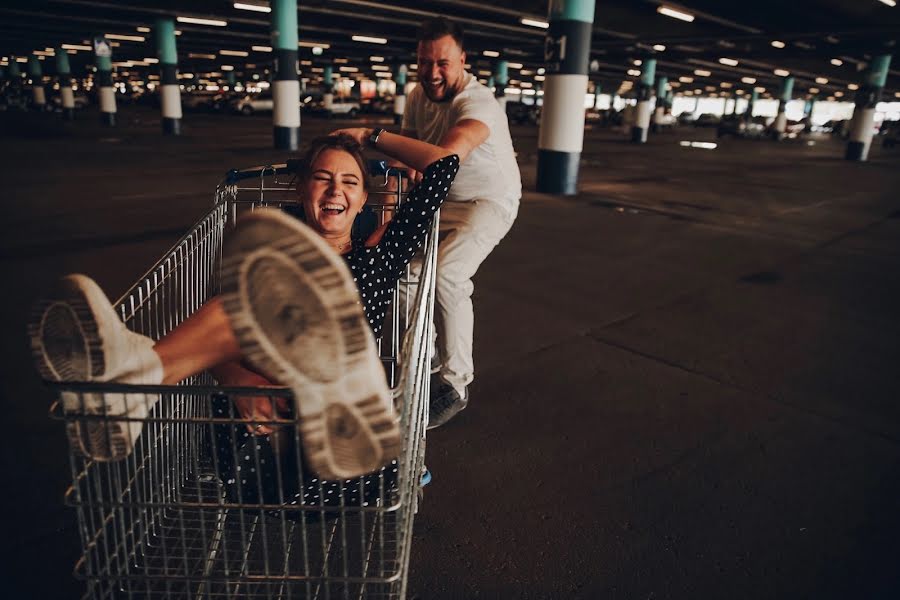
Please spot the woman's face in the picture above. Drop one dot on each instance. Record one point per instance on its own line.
(333, 193)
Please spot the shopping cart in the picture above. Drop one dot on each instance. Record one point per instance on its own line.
(168, 521)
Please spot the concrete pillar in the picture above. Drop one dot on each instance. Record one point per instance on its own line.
(400, 93)
(661, 84)
(15, 74)
(787, 90)
(328, 84)
(808, 111)
(169, 91)
(104, 80)
(64, 75)
(561, 135)
(501, 78)
(36, 80)
(644, 92)
(748, 114)
(867, 98)
(597, 88)
(285, 81)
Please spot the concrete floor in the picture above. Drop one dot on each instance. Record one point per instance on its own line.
(687, 381)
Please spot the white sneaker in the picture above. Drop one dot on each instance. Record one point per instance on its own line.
(77, 336)
(297, 316)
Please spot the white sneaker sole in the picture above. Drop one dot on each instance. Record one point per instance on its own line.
(295, 312)
(67, 346)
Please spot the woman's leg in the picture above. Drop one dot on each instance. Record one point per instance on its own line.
(203, 341)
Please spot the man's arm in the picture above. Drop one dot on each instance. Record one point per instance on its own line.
(464, 137)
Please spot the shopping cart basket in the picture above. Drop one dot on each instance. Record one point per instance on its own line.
(172, 521)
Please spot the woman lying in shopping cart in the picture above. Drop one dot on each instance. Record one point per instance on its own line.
(301, 306)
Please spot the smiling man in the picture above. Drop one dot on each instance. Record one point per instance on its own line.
(450, 108)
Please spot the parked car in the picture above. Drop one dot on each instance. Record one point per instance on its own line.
(198, 100)
(377, 106)
(707, 120)
(80, 100)
(687, 118)
(248, 104)
(890, 134)
(738, 126)
(522, 114)
(339, 107)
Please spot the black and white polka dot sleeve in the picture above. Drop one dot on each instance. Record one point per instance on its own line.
(412, 220)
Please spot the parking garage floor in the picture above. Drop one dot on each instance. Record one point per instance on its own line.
(687, 381)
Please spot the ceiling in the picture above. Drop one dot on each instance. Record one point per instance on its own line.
(813, 33)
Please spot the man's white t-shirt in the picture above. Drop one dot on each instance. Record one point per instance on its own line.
(490, 171)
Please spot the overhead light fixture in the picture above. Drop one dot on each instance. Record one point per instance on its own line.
(177, 32)
(198, 21)
(685, 79)
(341, 61)
(261, 48)
(75, 47)
(837, 62)
(781, 72)
(675, 14)
(725, 84)
(380, 68)
(317, 50)
(226, 67)
(852, 86)
(376, 58)
(659, 48)
(254, 7)
(838, 94)
(760, 90)
(821, 80)
(349, 69)
(748, 80)
(534, 22)
(889, 2)
(368, 39)
(814, 90)
(240, 53)
(125, 38)
(151, 61)
(143, 30)
(542, 78)
(491, 53)
(638, 63)
(730, 62)
(382, 74)
(633, 72)
(541, 71)
(702, 73)
(198, 55)
(778, 44)
(514, 65)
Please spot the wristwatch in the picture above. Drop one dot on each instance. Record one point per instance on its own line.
(373, 137)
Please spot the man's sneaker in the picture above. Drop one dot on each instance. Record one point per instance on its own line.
(77, 336)
(445, 402)
(297, 316)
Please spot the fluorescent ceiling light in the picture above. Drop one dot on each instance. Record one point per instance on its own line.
(821, 80)
(778, 44)
(75, 47)
(369, 40)
(852, 86)
(814, 90)
(702, 73)
(837, 62)
(541, 71)
(889, 2)
(514, 65)
(491, 53)
(730, 62)
(376, 58)
(382, 74)
(151, 61)
(686, 79)
(759, 89)
(349, 69)
(659, 48)
(748, 80)
(341, 61)
(254, 7)
(234, 53)
(143, 30)
(197, 55)
(675, 14)
(125, 38)
(838, 94)
(638, 63)
(197, 21)
(781, 72)
(725, 84)
(313, 45)
(380, 68)
(534, 22)
(542, 78)
(261, 48)
(633, 72)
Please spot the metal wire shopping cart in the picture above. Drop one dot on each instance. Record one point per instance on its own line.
(169, 520)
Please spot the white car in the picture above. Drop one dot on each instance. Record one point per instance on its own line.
(252, 103)
(345, 107)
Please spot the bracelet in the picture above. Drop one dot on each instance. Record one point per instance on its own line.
(373, 137)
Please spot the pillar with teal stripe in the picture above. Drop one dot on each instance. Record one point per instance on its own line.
(328, 87)
(644, 95)
(501, 79)
(285, 80)
(867, 98)
(561, 137)
(787, 92)
(36, 81)
(662, 88)
(64, 74)
(169, 90)
(400, 72)
(104, 80)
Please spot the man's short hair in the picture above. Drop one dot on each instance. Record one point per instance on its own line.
(438, 27)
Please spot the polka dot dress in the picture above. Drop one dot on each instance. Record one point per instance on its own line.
(250, 466)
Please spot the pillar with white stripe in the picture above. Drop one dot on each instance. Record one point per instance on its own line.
(104, 81)
(644, 93)
(561, 136)
(36, 80)
(867, 97)
(501, 79)
(662, 83)
(787, 90)
(285, 81)
(400, 94)
(169, 91)
(64, 74)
